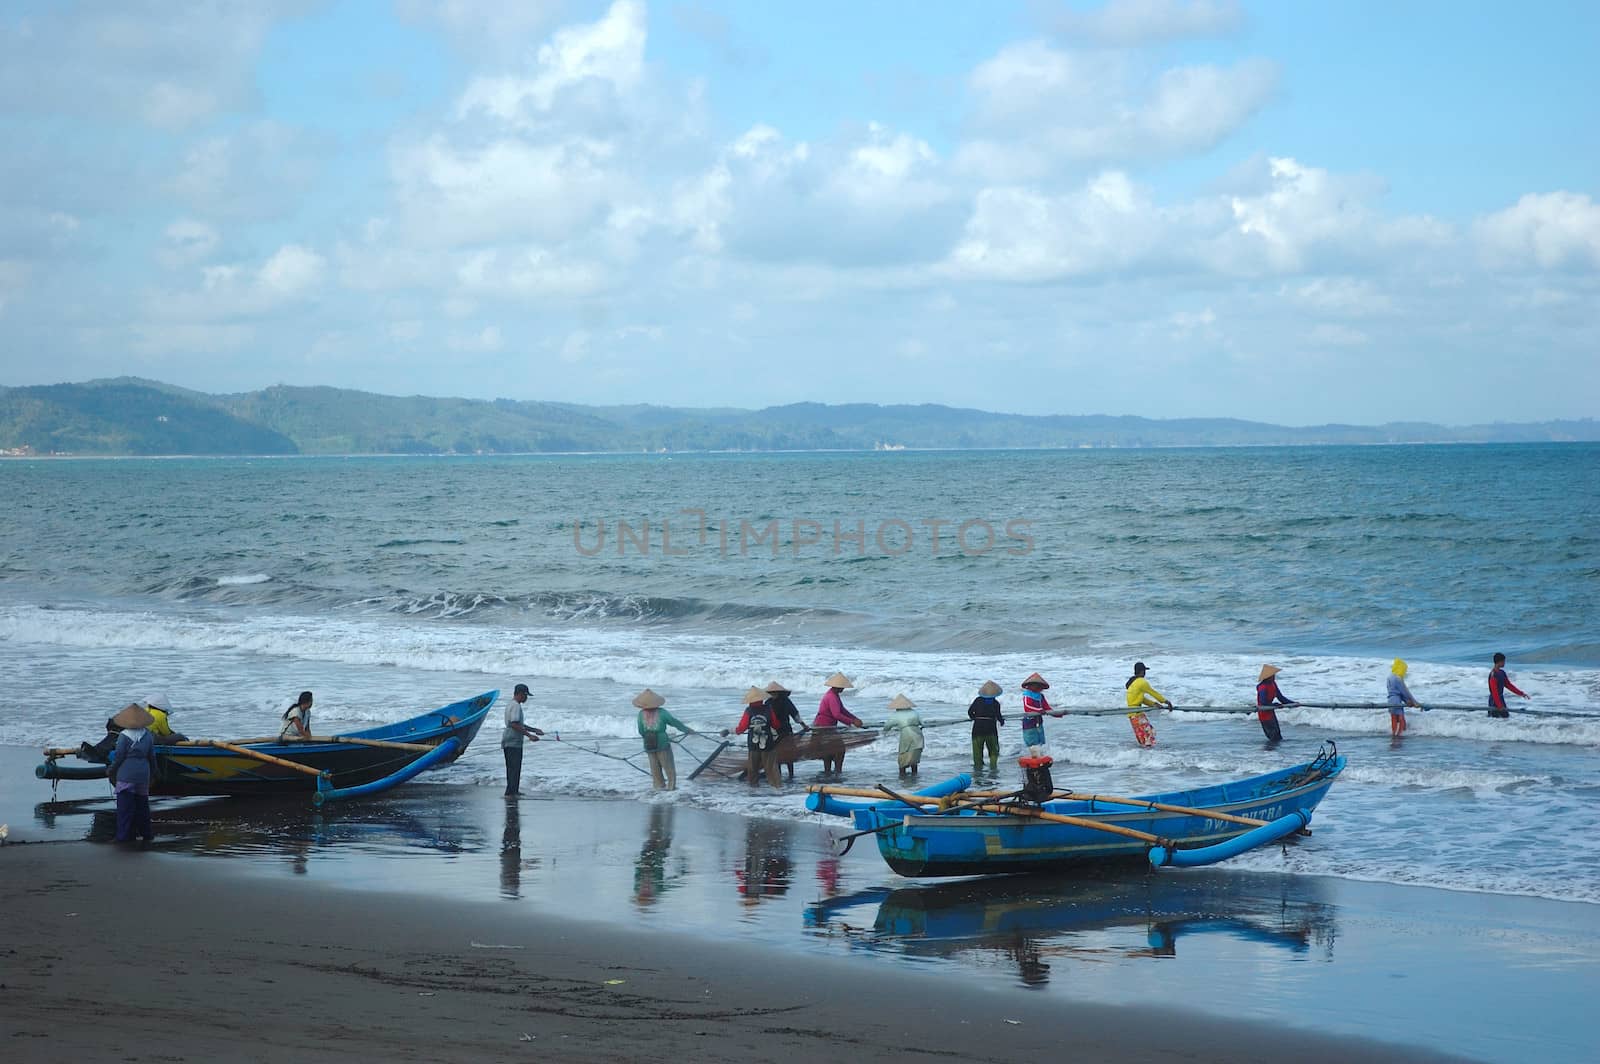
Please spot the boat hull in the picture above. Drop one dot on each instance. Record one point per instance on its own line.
(210, 771)
(970, 843)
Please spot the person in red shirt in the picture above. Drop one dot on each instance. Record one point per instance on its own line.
(1499, 684)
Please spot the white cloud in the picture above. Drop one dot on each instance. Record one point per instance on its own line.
(486, 29)
(609, 52)
(235, 291)
(1134, 22)
(1306, 216)
(870, 197)
(1039, 109)
(291, 271)
(1549, 231)
(1015, 234)
(505, 190)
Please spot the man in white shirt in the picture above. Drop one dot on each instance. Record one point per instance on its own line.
(511, 739)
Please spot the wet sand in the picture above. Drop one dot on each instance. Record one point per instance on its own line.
(443, 923)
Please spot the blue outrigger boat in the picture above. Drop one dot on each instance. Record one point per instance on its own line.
(964, 833)
(342, 766)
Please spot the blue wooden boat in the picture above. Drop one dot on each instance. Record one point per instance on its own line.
(344, 766)
(1010, 838)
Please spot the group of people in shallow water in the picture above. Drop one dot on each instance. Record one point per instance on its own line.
(772, 724)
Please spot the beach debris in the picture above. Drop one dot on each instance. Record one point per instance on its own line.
(615, 982)
(493, 945)
(1015, 1023)
(526, 1037)
(425, 993)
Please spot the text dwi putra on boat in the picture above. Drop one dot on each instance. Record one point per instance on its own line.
(692, 531)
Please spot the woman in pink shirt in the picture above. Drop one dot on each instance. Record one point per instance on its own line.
(832, 714)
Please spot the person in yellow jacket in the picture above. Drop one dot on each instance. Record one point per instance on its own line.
(1141, 694)
(160, 728)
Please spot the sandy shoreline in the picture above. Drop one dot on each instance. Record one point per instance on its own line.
(218, 966)
(271, 931)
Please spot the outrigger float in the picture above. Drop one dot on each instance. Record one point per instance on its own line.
(949, 830)
(332, 768)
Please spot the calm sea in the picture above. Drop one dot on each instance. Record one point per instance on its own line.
(392, 585)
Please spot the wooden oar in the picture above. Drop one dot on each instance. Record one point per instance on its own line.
(245, 751)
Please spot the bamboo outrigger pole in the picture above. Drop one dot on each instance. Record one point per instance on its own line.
(245, 751)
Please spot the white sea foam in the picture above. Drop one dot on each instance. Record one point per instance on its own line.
(243, 579)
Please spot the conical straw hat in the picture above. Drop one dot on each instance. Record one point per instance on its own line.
(648, 699)
(1267, 672)
(839, 680)
(754, 695)
(1035, 678)
(776, 688)
(134, 716)
(989, 689)
(901, 702)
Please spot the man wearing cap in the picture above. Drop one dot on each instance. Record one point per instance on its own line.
(158, 707)
(1140, 696)
(511, 739)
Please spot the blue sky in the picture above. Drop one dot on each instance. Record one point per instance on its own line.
(1299, 213)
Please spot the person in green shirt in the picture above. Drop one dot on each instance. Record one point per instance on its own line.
(653, 724)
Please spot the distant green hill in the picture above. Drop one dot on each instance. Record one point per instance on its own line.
(141, 417)
(128, 417)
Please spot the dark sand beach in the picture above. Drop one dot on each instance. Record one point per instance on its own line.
(443, 923)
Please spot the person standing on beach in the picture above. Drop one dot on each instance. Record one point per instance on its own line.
(1399, 696)
(1499, 684)
(832, 714)
(986, 723)
(1268, 694)
(1035, 706)
(512, 736)
(1141, 696)
(653, 724)
(297, 719)
(760, 729)
(903, 718)
(787, 714)
(132, 769)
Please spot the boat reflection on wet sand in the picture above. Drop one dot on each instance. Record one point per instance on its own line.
(1031, 919)
(283, 826)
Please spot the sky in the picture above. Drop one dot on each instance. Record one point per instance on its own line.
(1291, 212)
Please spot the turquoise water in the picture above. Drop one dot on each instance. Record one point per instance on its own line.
(394, 584)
